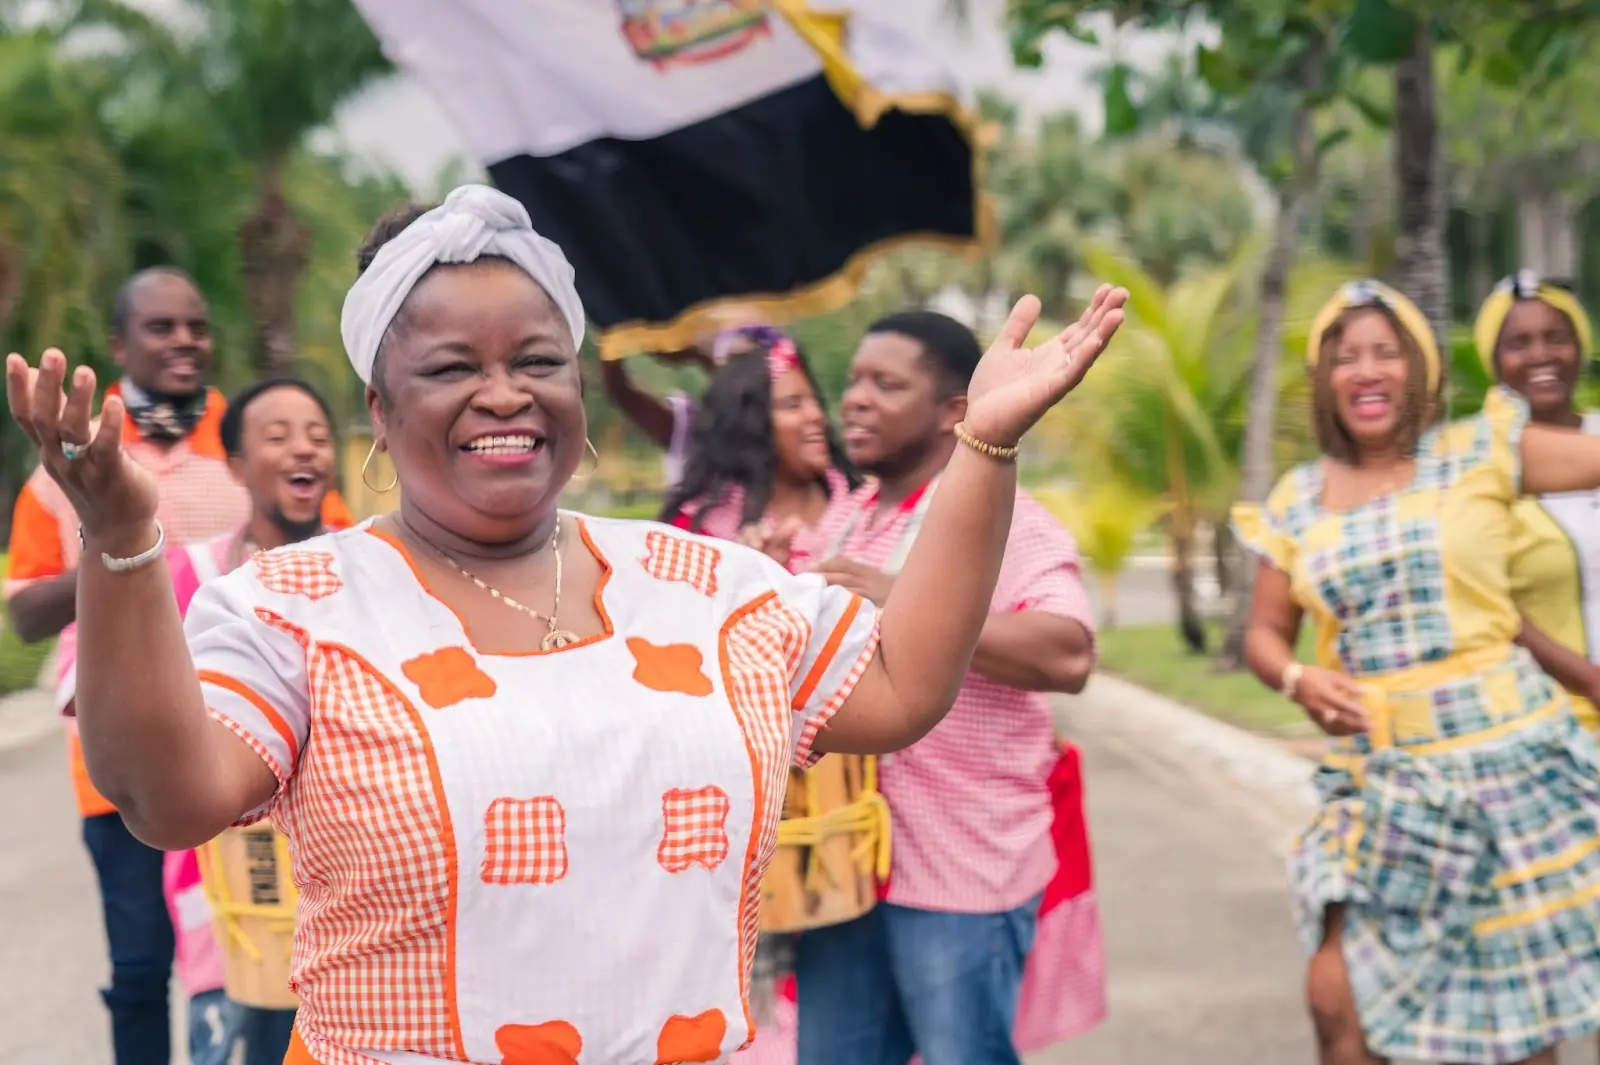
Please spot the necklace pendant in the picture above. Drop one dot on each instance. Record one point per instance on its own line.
(556, 639)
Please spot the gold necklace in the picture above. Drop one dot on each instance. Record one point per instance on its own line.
(555, 638)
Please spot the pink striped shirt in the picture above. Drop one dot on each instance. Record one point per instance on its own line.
(970, 803)
(989, 794)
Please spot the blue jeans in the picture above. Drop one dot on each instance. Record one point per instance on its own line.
(139, 935)
(900, 981)
(217, 1024)
(265, 1034)
(213, 1028)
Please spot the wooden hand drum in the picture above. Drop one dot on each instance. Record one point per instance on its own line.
(245, 875)
(833, 847)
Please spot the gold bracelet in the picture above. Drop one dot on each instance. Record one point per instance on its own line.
(983, 447)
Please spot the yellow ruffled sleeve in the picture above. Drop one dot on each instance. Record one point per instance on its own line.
(1505, 415)
(1259, 530)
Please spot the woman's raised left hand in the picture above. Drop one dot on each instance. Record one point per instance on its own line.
(1014, 386)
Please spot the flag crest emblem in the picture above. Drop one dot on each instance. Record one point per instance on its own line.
(668, 33)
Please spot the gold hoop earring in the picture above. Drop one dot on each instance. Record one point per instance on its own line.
(593, 454)
(366, 470)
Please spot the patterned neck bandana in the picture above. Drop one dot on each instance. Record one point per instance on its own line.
(163, 418)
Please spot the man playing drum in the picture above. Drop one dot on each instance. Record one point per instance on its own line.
(973, 858)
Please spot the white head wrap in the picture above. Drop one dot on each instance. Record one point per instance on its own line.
(473, 221)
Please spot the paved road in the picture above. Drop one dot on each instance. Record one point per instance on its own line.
(1189, 856)
(1203, 965)
(1189, 868)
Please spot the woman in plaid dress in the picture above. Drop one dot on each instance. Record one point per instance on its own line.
(1449, 888)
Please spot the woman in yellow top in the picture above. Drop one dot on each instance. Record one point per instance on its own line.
(1448, 890)
(1534, 337)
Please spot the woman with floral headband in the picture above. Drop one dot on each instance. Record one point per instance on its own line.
(763, 461)
(1448, 890)
(667, 421)
(530, 763)
(1535, 338)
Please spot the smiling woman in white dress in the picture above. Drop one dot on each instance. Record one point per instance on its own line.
(530, 763)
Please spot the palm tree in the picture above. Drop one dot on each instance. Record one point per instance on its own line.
(1423, 272)
(62, 229)
(1106, 519)
(257, 79)
(1154, 418)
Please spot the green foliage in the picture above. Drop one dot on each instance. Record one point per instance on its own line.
(1106, 518)
(254, 78)
(21, 663)
(1153, 419)
(1379, 31)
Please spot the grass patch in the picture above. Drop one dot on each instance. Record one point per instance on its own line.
(648, 510)
(1154, 657)
(20, 662)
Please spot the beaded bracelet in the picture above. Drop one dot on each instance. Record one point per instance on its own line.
(983, 447)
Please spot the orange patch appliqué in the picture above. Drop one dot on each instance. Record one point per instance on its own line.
(524, 841)
(673, 668)
(689, 1039)
(448, 676)
(307, 573)
(550, 1043)
(674, 558)
(694, 828)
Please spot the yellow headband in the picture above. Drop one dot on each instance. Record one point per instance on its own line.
(1526, 285)
(1377, 294)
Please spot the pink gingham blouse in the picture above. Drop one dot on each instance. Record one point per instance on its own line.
(970, 804)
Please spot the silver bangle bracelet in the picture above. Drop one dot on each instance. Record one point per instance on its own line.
(132, 562)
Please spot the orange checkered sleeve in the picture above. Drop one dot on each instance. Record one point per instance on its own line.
(252, 662)
(843, 639)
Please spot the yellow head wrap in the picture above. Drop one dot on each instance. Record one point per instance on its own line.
(1376, 294)
(1526, 285)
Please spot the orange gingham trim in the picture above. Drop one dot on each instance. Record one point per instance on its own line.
(675, 558)
(830, 651)
(804, 756)
(525, 841)
(403, 998)
(761, 647)
(694, 828)
(268, 711)
(265, 755)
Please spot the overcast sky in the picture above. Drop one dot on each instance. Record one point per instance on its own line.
(396, 125)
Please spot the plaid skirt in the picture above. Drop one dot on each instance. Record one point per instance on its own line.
(1467, 856)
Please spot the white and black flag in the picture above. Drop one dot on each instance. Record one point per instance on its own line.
(688, 153)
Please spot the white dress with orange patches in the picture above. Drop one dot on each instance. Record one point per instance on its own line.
(535, 858)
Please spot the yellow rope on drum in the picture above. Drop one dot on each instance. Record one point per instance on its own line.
(228, 910)
(866, 817)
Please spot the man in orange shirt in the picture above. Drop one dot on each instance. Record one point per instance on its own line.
(161, 340)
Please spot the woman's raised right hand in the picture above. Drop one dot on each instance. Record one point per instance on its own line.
(1333, 700)
(115, 498)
